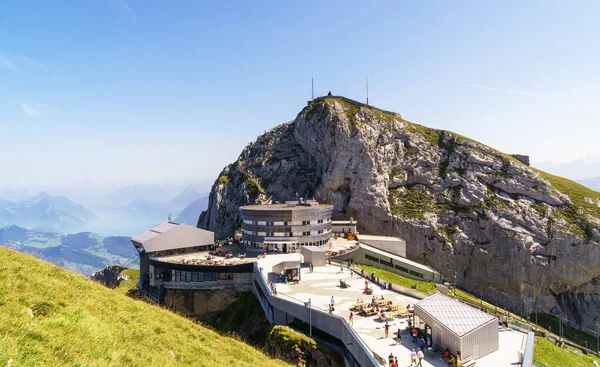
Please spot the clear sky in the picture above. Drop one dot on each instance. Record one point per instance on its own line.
(122, 92)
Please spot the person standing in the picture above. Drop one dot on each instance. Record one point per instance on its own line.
(420, 355)
(351, 319)
(396, 361)
(331, 305)
(414, 335)
(341, 267)
(398, 337)
(390, 359)
(421, 343)
(413, 357)
(387, 329)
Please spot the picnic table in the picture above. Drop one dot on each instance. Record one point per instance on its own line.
(369, 311)
(382, 302)
(358, 305)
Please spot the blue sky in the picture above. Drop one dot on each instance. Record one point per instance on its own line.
(121, 92)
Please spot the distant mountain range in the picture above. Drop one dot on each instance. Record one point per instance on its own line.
(124, 211)
(190, 214)
(592, 183)
(43, 211)
(82, 252)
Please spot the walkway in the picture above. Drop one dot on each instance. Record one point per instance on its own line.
(323, 283)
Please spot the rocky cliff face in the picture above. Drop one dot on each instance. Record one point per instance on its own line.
(473, 213)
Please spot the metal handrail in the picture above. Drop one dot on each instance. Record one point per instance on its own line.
(354, 334)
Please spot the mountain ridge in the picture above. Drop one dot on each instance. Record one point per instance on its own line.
(459, 204)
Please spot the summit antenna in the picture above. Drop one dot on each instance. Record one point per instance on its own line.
(312, 79)
(367, 89)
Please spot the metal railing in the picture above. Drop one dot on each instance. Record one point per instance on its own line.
(301, 303)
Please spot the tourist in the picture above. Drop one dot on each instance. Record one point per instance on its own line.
(413, 357)
(366, 284)
(422, 343)
(414, 334)
(351, 319)
(447, 355)
(420, 355)
(362, 274)
(387, 329)
(384, 316)
(391, 359)
(341, 267)
(398, 337)
(396, 361)
(458, 359)
(310, 268)
(331, 305)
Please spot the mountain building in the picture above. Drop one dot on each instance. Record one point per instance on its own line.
(286, 227)
(176, 256)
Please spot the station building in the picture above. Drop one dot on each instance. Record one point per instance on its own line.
(286, 227)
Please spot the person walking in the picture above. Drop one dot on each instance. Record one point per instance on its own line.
(387, 329)
(351, 319)
(399, 337)
(420, 356)
(413, 357)
(396, 361)
(331, 305)
(421, 343)
(414, 335)
(311, 267)
(341, 267)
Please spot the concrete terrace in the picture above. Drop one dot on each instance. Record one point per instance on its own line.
(323, 283)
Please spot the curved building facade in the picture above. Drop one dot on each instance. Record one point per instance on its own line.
(286, 227)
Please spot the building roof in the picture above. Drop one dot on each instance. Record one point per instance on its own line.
(367, 237)
(398, 258)
(284, 207)
(171, 236)
(341, 222)
(156, 231)
(457, 317)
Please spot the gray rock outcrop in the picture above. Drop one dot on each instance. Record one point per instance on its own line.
(471, 212)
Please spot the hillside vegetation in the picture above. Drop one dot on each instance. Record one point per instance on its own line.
(52, 317)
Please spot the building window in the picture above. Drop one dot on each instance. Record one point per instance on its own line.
(305, 222)
(285, 223)
(320, 221)
(372, 258)
(320, 231)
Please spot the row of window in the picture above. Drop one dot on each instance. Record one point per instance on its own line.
(391, 265)
(195, 276)
(288, 223)
(286, 234)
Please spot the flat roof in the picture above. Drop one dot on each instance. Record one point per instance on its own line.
(334, 222)
(156, 231)
(373, 237)
(458, 317)
(283, 207)
(398, 258)
(171, 236)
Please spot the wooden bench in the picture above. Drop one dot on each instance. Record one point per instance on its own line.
(358, 305)
(393, 308)
(369, 312)
(382, 302)
(402, 315)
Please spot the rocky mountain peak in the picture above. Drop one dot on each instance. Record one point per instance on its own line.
(464, 208)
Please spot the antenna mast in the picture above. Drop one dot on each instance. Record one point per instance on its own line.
(367, 89)
(313, 87)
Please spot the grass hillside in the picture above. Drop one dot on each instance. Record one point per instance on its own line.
(52, 317)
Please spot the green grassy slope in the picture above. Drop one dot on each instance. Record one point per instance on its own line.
(52, 317)
(388, 276)
(553, 356)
